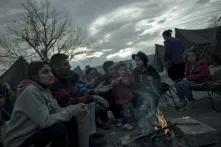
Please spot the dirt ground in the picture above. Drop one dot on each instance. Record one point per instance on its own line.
(202, 111)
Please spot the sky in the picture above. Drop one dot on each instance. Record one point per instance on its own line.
(122, 27)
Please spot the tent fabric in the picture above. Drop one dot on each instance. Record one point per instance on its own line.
(159, 57)
(15, 73)
(202, 37)
(196, 37)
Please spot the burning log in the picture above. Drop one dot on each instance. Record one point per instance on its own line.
(131, 140)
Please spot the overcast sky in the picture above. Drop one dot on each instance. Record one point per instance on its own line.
(123, 27)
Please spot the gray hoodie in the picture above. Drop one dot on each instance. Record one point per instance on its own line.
(34, 109)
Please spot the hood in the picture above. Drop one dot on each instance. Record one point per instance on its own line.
(23, 84)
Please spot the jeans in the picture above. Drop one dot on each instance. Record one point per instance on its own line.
(55, 134)
(184, 90)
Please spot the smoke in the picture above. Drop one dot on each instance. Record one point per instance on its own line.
(148, 102)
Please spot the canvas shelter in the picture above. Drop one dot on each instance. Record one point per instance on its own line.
(15, 73)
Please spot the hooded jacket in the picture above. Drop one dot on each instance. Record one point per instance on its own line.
(198, 72)
(34, 109)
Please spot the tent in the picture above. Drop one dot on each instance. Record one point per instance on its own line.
(206, 39)
(15, 73)
(197, 37)
(159, 61)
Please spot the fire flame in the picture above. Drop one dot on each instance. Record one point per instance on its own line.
(162, 121)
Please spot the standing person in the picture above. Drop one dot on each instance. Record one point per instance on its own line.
(145, 73)
(37, 119)
(196, 71)
(173, 56)
(66, 94)
(147, 86)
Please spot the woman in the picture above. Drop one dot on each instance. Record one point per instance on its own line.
(196, 71)
(37, 119)
(173, 56)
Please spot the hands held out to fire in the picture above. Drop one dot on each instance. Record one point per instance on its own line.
(81, 109)
(103, 88)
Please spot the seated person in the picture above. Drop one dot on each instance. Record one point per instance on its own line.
(123, 93)
(196, 71)
(37, 119)
(110, 75)
(95, 83)
(66, 94)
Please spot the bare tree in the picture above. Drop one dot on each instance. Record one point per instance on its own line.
(40, 32)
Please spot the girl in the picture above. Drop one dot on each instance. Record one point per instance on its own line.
(37, 119)
(122, 92)
(196, 71)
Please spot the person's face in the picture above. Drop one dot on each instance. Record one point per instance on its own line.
(45, 75)
(191, 57)
(122, 71)
(93, 74)
(139, 62)
(165, 37)
(111, 70)
(64, 68)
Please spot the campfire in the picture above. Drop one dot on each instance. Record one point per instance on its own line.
(160, 134)
(162, 123)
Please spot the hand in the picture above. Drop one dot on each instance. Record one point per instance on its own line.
(101, 100)
(81, 109)
(103, 88)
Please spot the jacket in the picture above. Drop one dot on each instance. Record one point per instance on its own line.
(198, 71)
(34, 109)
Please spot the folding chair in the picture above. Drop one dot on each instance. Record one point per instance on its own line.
(211, 87)
(168, 92)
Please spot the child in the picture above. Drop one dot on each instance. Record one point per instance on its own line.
(122, 92)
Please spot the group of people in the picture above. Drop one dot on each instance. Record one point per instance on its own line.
(54, 106)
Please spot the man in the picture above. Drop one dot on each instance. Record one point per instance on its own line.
(66, 94)
(174, 50)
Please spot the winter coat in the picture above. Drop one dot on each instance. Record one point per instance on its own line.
(198, 71)
(34, 109)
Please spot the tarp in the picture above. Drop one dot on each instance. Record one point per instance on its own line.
(196, 37)
(15, 73)
(207, 38)
(159, 57)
